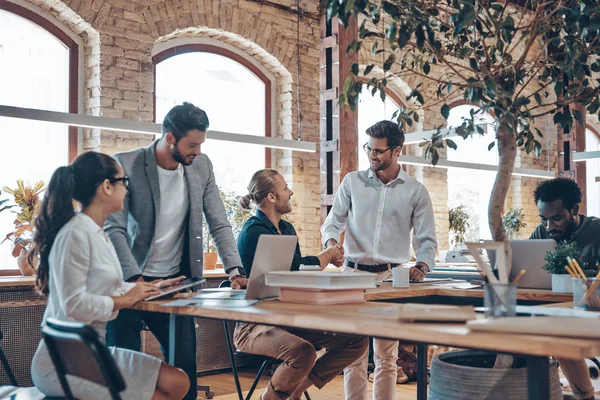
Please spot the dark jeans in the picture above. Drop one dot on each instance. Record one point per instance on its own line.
(125, 331)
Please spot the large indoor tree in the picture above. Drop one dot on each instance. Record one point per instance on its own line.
(517, 61)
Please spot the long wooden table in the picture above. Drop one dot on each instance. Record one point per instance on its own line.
(356, 319)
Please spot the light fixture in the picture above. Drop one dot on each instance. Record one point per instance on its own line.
(528, 172)
(150, 128)
(583, 156)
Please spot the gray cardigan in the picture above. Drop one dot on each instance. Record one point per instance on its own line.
(132, 230)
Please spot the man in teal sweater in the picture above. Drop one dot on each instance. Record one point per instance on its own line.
(558, 205)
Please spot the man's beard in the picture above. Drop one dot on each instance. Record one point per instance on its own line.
(382, 165)
(177, 156)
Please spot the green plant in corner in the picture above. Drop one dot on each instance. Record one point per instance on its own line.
(459, 222)
(513, 222)
(26, 200)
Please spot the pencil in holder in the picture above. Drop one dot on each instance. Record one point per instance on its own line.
(586, 294)
(500, 300)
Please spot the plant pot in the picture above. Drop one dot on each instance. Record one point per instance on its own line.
(24, 266)
(469, 374)
(561, 283)
(210, 260)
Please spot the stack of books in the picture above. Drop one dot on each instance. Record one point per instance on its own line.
(321, 287)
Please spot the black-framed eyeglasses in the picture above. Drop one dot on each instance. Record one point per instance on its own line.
(124, 179)
(377, 152)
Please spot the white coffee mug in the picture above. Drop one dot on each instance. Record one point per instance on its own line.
(400, 277)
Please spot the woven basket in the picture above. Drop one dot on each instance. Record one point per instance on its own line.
(469, 374)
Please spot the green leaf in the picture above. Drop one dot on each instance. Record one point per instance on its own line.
(491, 145)
(426, 68)
(389, 62)
(354, 69)
(391, 9)
(577, 116)
(416, 117)
(404, 36)
(538, 98)
(368, 69)
(474, 64)
(420, 37)
(445, 111)
(538, 148)
(520, 102)
(450, 143)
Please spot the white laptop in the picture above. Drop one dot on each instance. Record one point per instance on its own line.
(273, 253)
(529, 255)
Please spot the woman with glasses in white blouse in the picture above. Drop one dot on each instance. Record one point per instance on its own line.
(80, 274)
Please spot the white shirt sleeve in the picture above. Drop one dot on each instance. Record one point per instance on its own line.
(124, 288)
(69, 265)
(424, 237)
(335, 223)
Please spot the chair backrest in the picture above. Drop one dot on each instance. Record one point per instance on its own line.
(76, 349)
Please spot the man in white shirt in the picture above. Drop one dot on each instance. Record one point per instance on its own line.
(158, 235)
(378, 208)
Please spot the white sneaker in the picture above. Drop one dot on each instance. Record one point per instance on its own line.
(401, 379)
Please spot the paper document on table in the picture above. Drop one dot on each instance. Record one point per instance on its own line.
(466, 285)
(425, 312)
(211, 303)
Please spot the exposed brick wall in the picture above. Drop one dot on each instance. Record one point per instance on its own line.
(119, 79)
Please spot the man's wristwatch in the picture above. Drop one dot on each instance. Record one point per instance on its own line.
(237, 271)
(423, 268)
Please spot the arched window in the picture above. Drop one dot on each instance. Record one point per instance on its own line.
(592, 169)
(235, 94)
(38, 69)
(370, 111)
(472, 188)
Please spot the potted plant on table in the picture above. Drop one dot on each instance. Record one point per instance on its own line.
(555, 264)
(26, 200)
(458, 220)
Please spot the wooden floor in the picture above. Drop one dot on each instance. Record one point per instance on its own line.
(224, 388)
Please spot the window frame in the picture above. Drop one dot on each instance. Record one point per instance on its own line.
(212, 49)
(73, 89)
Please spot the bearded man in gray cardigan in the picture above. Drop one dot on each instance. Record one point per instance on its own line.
(158, 235)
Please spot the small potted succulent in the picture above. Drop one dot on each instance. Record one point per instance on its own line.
(555, 264)
(26, 199)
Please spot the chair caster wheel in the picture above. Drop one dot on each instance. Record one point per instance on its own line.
(209, 394)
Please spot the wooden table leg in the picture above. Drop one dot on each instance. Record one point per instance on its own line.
(538, 380)
(421, 371)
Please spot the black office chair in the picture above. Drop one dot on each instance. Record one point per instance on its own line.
(233, 353)
(77, 349)
(6, 365)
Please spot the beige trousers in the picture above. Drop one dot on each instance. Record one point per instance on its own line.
(578, 375)
(385, 357)
(296, 349)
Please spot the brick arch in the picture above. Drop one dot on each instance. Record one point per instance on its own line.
(281, 78)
